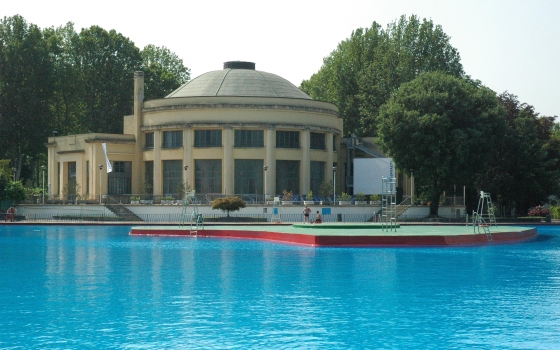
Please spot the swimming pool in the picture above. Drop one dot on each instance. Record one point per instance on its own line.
(98, 287)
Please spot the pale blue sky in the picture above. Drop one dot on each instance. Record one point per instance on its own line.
(509, 45)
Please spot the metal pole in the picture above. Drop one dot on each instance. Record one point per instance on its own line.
(264, 183)
(100, 168)
(334, 185)
(43, 167)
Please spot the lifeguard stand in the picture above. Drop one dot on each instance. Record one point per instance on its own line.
(484, 217)
(388, 204)
(195, 217)
(276, 211)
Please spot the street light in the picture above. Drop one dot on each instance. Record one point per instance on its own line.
(186, 180)
(43, 167)
(265, 168)
(334, 184)
(100, 168)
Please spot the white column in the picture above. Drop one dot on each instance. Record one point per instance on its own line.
(187, 156)
(305, 163)
(158, 181)
(270, 161)
(330, 157)
(227, 171)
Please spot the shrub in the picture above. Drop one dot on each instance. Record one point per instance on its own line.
(539, 210)
(375, 197)
(360, 196)
(228, 204)
(309, 196)
(326, 189)
(555, 211)
(344, 197)
(287, 196)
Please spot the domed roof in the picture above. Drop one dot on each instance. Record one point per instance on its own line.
(239, 79)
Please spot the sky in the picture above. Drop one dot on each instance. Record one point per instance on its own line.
(509, 45)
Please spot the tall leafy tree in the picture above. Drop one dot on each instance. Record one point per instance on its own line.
(523, 169)
(362, 73)
(106, 62)
(443, 128)
(26, 77)
(164, 71)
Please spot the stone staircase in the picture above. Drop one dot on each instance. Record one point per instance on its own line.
(122, 212)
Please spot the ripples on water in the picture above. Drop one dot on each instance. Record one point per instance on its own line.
(97, 287)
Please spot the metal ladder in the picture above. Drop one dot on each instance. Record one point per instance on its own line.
(276, 217)
(484, 201)
(388, 204)
(195, 217)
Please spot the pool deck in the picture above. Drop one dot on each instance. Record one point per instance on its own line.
(354, 235)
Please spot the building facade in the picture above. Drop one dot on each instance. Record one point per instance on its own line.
(233, 131)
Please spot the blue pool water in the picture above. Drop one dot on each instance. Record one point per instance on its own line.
(69, 287)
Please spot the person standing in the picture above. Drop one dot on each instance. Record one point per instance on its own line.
(306, 212)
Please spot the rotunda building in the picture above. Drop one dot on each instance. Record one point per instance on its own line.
(235, 131)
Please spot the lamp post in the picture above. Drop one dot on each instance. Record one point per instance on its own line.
(43, 167)
(100, 168)
(186, 167)
(265, 168)
(334, 184)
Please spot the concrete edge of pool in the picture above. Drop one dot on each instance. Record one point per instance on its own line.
(352, 235)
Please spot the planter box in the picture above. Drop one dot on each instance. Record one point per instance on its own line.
(287, 202)
(360, 202)
(375, 202)
(308, 202)
(167, 202)
(344, 202)
(134, 202)
(146, 201)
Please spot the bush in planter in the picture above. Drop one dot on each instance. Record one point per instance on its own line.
(345, 197)
(539, 210)
(375, 198)
(287, 197)
(360, 197)
(326, 189)
(309, 196)
(228, 204)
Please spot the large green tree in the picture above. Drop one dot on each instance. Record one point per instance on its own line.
(364, 70)
(442, 128)
(106, 62)
(523, 169)
(26, 78)
(164, 71)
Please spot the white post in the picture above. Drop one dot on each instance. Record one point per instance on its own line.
(265, 168)
(100, 168)
(43, 167)
(334, 185)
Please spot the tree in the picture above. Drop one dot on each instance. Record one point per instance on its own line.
(106, 62)
(523, 167)
(442, 128)
(228, 204)
(164, 71)
(26, 77)
(362, 73)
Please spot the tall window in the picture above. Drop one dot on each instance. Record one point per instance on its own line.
(120, 179)
(317, 141)
(172, 139)
(334, 148)
(208, 176)
(248, 176)
(317, 176)
(172, 176)
(148, 186)
(208, 138)
(149, 141)
(287, 139)
(71, 186)
(287, 176)
(249, 138)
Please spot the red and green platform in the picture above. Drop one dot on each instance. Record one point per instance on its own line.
(341, 234)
